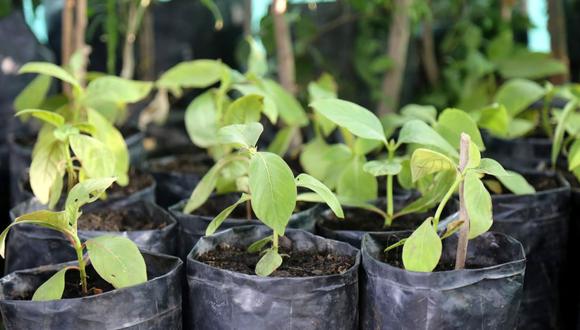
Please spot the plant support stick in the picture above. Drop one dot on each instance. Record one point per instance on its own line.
(464, 231)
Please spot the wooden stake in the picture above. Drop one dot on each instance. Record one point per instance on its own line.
(66, 38)
(463, 240)
(284, 52)
(79, 38)
(399, 36)
(557, 29)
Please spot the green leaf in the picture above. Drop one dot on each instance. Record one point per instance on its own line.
(574, 155)
(309, 182)
(201, 120)
(282, 141)
(323, 88)
(34, 94)
(270, 108)
(356, 119)
(422, 250)
(241, 135)
(117, 260)
(317, 157)
(518, 94)
(453, 122)
(491, 167)
(561, 130)
(288, 107)
(87, 191)
(223, 215)
(432, 195)
(495, 119)
(53, 288)
(519, 127)
(258, 245)
(206, 185)
(49, 69)
(474, 156)
(478, 205)
(273, 190)
(25, 220)
(49, 117)
(192, 74)
(244, 110)
(425, 162)
(47, 167)
(355, 182)
(257, 61)
(114, 141)
(269, 262)
(116, 90)
(416, 131)
(96, 158)
(383, 167)
(516, 183)
(364, 146)
(530, 66)
(425, 113)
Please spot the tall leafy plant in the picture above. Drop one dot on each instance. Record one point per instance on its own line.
(271, 189)
(76, 139)
(116, 259)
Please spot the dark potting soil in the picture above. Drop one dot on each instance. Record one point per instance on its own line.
(363, 220)
(183, 164)
(73, 288)
(394, 258)
(296, 264)
(137, 181)
(118, 220)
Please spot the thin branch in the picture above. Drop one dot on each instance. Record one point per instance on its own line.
(399, 36)
(463, 216)
(284, 52)
(136, 12)
(147, 48)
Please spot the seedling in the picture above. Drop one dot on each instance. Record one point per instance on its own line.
(271, 189)
(567, 133)
(116, 259)
(422, 250)
(76, 138)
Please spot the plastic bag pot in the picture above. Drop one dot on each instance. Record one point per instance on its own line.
(174, 186)
(153, 305)
(486, 297)
(20, 159)
(570, 287)
(29, 246)
(326, 220)
(526, 153)
(540, 222)
(192, 227)
(223, 299)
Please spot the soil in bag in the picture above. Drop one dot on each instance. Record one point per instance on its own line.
(485, 295)
(315, 288)
(153, 305)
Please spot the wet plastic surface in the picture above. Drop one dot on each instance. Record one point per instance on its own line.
(235, 300)
(540, 223)
(483, 298)
(154, 305)
(29, 246)
(192, 227)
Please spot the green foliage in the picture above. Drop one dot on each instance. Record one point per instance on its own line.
(116, 259)
(422, 250)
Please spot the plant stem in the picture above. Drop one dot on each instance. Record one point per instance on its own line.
(390, 202)
(275, 241)
(444, 201)
(136, 12)
(464, 231)
(70, 170)
(546, 117)
(249, 210)
(82, 265)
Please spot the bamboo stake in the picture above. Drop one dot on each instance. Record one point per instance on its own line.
(464, 230)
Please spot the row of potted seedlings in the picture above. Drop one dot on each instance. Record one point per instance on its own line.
(389, 184)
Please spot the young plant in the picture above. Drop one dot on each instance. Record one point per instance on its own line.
(271, 189)
(422, 250)
(76, 138)
(116, 259)
(371, 135)
(567, 132)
